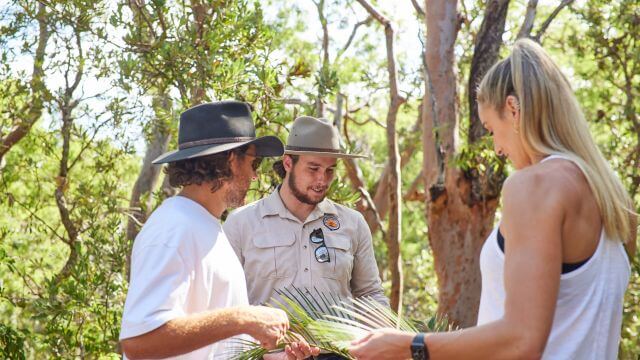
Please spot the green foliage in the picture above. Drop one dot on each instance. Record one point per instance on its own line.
(78, 313)
(11, 343)
(162, 57)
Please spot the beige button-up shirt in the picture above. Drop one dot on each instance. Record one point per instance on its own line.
(276, 252)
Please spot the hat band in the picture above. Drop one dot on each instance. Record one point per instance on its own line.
(302, 148)
(225, 140)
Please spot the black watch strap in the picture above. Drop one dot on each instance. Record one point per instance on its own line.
(419, 349)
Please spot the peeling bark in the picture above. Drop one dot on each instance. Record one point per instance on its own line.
(457, 225)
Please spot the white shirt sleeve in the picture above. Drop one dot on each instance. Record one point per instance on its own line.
(157, 291)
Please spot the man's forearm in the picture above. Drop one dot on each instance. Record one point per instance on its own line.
(189, 333)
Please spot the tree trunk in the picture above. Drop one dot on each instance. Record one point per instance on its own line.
(529, 18)
(395, 215)
(456, 234)
(381, 197)
(485, 54)
(458, 220)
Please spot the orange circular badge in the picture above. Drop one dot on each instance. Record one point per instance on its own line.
(331, 222)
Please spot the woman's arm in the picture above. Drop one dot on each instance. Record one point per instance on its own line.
(533, 213)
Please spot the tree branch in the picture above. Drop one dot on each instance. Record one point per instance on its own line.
(419, 9)
(369, 119)
(413, 194)
(394, 184)
(352, 36)
(485, 54)
(67, 105)
(553, 15)
(354, 174)
(529, 19)
(38, 89)
(325, 57)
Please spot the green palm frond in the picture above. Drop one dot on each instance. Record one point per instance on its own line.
(364, 315)
(435, 324)
(331, 323)
(243, 349)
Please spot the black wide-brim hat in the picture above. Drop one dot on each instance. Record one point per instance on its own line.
(216, 127)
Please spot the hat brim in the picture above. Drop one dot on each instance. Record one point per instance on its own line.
(325, 154)
(266, 146)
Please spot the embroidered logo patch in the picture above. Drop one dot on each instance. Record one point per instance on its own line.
(331, 222)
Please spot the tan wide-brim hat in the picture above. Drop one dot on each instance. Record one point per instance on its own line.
(316, 137)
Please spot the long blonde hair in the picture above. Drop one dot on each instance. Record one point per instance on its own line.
(552, 122)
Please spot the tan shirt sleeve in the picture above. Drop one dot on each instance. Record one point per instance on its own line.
(365, 280)
(232, 227)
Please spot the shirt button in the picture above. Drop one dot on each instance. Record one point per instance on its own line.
(306, 269)
(305, 246)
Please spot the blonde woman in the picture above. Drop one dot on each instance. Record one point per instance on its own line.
(554, 272)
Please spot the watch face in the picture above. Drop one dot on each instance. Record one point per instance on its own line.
(418, 353)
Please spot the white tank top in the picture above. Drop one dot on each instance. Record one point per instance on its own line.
(588, 315)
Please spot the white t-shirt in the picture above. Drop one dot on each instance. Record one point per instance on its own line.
(181, 264)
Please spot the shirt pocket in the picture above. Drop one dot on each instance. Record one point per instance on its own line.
(274, 255)
(339, 247)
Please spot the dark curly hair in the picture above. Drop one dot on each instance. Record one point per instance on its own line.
(278, 166)
(214, 169)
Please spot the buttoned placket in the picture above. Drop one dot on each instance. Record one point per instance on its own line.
(306, 258)
(307, 228)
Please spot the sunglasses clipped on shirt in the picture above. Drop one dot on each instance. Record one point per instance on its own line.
(322, 253)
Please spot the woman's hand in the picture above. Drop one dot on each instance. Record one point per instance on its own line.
(383, 344)
(296, 350)
(300, 350)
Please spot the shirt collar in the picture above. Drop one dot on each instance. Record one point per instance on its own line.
(273, 205)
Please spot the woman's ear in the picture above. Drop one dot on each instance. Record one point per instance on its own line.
(512, 108)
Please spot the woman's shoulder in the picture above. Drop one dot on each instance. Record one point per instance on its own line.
(550, 183)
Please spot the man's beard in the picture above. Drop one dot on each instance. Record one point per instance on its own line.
(302, 197)
(237, 192)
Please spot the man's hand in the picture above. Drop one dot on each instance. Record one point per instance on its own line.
(267, 325)
(383, 344)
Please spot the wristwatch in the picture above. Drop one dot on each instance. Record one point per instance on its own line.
(419, 349)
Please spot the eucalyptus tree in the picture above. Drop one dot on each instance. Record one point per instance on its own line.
(462, 181)
(61, 183)
(182, 54)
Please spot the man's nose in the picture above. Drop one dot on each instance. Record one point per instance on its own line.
(322, 178)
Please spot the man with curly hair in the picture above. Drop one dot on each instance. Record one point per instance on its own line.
(187, 291)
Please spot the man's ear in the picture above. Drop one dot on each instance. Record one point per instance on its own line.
(234, 162)
(287, 163)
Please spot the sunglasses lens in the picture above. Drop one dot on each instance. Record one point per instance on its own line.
(316, 237)
(322, 254)
(255, 164)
